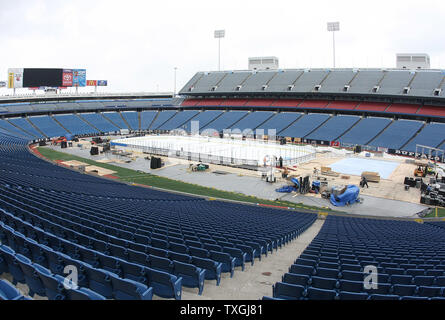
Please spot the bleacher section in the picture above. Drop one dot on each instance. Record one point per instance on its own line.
(342, 105)
(23, 124)
(304, 125)
(135, 243)
(432, 111)
(403, 108)
(231, 80)
(365, 131)
(252, 121)
(225, 121)
(99, 122)
(256, 81)
(336, 81)
(132, 119)
(147, 118)
(333, 128)
(178, 120)
(203, 118)
(161, 118)
(432, 136)
(308, 80)
(48, 126)
(365, 81)
(360, 81)
(116, 119)
(424, 84)
(282, 80)
(279, 122)
(405, 255)
(5, 125)
(394, 82)
(74, 124)
(397, 134)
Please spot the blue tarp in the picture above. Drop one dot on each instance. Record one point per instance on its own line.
(350, 196)
(296, 181)
(286, 189)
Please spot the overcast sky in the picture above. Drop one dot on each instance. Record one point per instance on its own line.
(135, 44)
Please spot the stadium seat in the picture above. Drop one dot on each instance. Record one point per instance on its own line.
(32, 279)
(238, 254)
(302, 269)
(287, 291)
(53, 283)
(13, 266)
(126, 289)
(323, 283)
(404, 290)
(9, 291)
(164, 285)
(344, 295)
(192, 276)
(100, 281)
(227, 262)
(82, 294)
(320, 294)
(161, 264)
(296, 279)
(212, 268)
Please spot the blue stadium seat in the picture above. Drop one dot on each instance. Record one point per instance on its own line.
(13, 266)
(227, 262)
(212, 268)
(320, 294)
(54, 288)
(404, 290)
(126, 289)
(31, 277)
(238, 254)
(164, 285)
(9, 291)
(323, 283)
(192, 276)
(287, 291)
(161, 264)
(344, 295)
(82, 294)
(297, 279)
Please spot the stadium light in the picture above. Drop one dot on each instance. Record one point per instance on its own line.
(332, 27)
(219, 34)
(174, 90)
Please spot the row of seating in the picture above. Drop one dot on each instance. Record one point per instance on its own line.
(349, 130)
(411, 109)
(9, 292)
(408, 259)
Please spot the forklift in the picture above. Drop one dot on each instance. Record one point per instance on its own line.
(423, 170)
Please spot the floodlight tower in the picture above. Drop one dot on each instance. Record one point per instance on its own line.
(332, 27)
(174, 89)
(219, 34)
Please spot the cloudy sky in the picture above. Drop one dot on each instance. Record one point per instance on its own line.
(136, 44)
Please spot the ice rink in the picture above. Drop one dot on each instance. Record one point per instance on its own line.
(355, 166)
(253, 152)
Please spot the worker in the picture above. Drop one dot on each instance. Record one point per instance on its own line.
(281, 162)
(364, 182)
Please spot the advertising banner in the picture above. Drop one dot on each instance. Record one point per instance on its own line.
(3, 84)
(15, 78)
(79, 78)
(67, 80)
(91, 83)
(102, 83)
